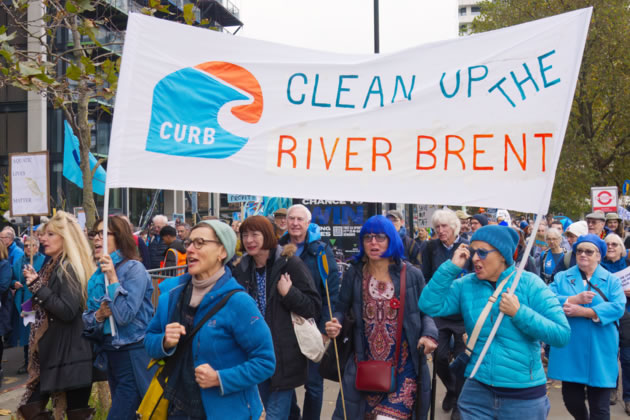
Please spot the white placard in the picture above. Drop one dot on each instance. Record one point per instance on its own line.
(458, 122)
(28, 184)
(624, 276)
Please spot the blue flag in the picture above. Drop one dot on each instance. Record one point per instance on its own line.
(272, 204)
(72, 162)
(322, 264)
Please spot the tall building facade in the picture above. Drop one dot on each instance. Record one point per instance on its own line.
(29, 123)
(468, 10)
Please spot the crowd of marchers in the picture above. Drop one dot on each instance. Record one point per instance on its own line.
(220, 321)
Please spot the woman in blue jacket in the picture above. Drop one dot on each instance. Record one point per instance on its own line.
(594, 300)
(218, 370)
(22, 294)
(511, 372)
(128, 299)
(371, 291)
(5, 300)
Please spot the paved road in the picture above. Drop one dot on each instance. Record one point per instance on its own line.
(13, 387)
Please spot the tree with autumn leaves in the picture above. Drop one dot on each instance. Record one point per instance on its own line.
(70, 53)
(596, 149)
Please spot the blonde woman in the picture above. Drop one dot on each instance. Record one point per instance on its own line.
(60, 360)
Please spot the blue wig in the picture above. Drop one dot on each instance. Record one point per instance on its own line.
(381, 224)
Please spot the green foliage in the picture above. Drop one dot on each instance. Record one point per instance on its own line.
(5, 202)
(596, 149)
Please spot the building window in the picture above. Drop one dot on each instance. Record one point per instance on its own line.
(475, 10)
(462, 11)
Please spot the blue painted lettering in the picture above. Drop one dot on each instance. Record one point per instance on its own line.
(340, 89)
(544, 69)
(313, 99)
(289, 97)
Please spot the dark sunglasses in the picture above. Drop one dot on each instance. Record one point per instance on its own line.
(588, 252)
(481, 253)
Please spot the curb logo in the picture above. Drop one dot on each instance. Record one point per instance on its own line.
(187, 105)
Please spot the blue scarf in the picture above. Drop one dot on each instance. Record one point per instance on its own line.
(97, 292)
(616, 266)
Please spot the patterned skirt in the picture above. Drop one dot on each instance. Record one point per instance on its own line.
(380, 312)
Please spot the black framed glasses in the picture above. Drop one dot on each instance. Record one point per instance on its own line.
(481, 253)
(98, 233)
(380, 237)
(199, 242)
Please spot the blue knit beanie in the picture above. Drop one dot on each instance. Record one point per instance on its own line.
(504, 239)
(595, 240)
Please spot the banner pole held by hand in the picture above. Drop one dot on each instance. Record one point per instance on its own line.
(322, 263)
(112, 324)
(31, 239)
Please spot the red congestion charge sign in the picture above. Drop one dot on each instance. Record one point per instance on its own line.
(604, 199)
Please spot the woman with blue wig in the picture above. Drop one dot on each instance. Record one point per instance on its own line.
(370, 291)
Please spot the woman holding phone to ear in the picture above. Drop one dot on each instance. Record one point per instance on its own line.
(512, 371)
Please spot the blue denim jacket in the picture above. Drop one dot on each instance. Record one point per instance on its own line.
(129, 301)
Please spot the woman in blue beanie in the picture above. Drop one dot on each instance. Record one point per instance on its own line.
(593, 300)
(512, 372)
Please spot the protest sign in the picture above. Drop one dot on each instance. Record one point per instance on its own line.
(28, 184)
(475, 121)
(624, 276)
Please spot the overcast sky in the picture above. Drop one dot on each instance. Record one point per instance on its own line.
(347, 26)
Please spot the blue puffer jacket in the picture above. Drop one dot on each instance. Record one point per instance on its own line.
(513, 359)
(236, 342)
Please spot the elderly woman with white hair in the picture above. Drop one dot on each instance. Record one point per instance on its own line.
(447, 225)
(550, 258)
(573, 232)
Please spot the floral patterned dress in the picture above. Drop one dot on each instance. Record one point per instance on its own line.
(380, 317)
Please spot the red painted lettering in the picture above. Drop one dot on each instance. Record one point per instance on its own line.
(522, 162)
(543, 137)
(480, 152)
(384, 154)
(326, 160)
(349, 153)
(426, 152)
(454, 152)
(308, 153)
(282, 151)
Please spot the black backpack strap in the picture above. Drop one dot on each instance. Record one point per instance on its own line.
(172, 361)
(598, 290)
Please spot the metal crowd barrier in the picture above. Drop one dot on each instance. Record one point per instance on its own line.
(160, 274)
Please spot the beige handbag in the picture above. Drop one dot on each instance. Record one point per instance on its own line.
(309, 338)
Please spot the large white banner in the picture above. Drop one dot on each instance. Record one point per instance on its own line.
(476, 121)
